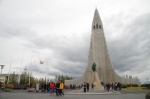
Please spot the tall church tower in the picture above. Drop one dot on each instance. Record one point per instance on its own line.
(98, 53)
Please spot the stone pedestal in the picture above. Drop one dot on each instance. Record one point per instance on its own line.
(97, 82)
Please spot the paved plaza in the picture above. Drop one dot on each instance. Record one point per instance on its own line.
(73, 95)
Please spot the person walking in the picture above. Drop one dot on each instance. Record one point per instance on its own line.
(119, 85)
(52, 86)
(115, 86)
(57, 88)
(61, 87)
(84, 87)
(45, 87)
(112, 86)
(42, 87)
(92, 87)
(107, 86)
(87, 86)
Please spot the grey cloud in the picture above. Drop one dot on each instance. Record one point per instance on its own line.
(129, 52)
(71, 68)
(74, 69)
(73, 49)
(38, 69)
(9, 31)
(76, 53)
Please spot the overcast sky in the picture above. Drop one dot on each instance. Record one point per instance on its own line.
(58, 33)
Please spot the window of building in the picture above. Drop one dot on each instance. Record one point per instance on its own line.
(94, 27)
(97, 25)
(100, 26)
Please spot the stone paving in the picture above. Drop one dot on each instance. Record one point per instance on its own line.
(95, 92)
(47, 96)
(76, 94)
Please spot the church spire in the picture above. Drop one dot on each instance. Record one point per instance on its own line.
(97, 23)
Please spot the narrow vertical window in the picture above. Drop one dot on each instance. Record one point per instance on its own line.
(97, 26)
(94, 27)
(100, 26)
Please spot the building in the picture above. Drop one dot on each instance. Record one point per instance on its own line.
(4, 78)
(98, 54)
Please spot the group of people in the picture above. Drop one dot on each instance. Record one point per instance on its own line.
(86, 87)
(112, 86)
(53, 88)
(107, 86)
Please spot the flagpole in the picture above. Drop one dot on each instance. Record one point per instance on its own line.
(41, 62)
(29, 71)
(29, 78)
(20, 71)
(37, 84)
(9, 70)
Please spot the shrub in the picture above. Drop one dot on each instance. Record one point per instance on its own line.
(8, 86)
(20, 86)
(134, 85)
(128, 85)
(124, 86)
(145, 85)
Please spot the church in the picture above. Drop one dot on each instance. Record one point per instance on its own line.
(98, 54)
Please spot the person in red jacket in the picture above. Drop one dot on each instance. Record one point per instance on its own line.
(52, 86)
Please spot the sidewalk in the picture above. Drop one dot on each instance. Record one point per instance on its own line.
(95, 92)
(72, 92)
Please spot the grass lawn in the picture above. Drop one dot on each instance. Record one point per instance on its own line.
(138, 89)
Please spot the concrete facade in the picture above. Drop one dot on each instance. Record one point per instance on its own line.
(4, 78)
(98, 53)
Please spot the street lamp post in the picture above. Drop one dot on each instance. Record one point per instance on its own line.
(2, 66)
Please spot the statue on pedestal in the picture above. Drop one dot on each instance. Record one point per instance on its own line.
(94, 67)
(96, 81)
